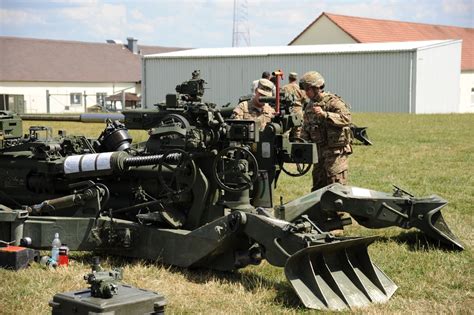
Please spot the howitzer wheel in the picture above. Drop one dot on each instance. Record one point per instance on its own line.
(301, 168)
(182, 171)
(235, 169)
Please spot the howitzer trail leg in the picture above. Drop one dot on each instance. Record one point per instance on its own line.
(326, 273)
(374, 209)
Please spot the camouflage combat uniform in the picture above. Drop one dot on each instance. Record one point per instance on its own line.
(247, 110)
(300, 98)
(333, 138)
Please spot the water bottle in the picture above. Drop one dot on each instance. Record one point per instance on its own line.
(55, 247)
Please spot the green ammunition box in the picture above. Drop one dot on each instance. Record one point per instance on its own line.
(128, 300)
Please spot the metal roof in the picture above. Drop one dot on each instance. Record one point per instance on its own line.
(301, 49)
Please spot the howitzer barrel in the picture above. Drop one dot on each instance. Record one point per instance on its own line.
(150, 159)
(84, 117)
(268, 99)
(226, 112)
(100, 117)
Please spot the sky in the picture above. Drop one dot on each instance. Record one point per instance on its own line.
(207, 23)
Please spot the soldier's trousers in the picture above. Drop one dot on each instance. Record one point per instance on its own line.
(330, 169)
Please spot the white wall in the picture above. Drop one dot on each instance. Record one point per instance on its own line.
(323, 31)
(438, 71)
(35, 94)
(467, 94)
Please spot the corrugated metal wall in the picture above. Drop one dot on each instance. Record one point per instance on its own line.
(370, 82)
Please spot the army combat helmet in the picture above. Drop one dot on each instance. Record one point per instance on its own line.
(312, 79)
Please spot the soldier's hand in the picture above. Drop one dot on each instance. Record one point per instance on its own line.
(319, 111)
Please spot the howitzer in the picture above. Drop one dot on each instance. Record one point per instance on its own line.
(192, 195)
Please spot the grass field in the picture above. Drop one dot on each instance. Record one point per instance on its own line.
(424, 154)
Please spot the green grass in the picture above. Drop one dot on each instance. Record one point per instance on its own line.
(423, 154)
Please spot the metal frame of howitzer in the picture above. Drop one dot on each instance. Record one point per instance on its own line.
(326, 272)
(374, 209)
(190, 196)
(360, 133)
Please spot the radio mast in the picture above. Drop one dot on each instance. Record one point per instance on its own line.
(240, 28)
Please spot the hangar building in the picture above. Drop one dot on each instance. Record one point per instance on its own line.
(409, 77)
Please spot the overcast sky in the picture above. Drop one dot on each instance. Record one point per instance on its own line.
(206, 23)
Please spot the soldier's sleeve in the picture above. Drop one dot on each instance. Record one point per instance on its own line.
(272, 111)
(304, 133)
(238, 113)
(338, 114)
(302, 95)
(303, 98)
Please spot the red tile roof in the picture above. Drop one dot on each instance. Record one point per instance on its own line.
(44, 60)
(365, 30)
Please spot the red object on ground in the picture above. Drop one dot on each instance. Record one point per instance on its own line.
(16, 257)
(11, 249)
(63, 258)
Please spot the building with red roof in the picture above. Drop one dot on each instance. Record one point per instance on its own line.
(331, 28)
(59, 76)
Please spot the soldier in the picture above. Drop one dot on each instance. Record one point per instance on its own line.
(254, 109)
(265, 75)
(326, 122)
(292, 88)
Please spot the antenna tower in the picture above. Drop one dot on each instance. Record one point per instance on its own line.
(240, 29)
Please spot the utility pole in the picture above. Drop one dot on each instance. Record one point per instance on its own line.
(240, 27)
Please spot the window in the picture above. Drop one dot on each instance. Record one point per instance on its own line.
(76, 98)
(472, 96)
(15, 103)
(3, 102)
(100, 99)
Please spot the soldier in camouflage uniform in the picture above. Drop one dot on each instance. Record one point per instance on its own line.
(254, 109)
(292, 88)
(265, 75)
(326, 122)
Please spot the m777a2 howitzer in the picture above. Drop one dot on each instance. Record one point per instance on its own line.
(195, 194)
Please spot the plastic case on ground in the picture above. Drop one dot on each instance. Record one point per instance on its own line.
(128, 300)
